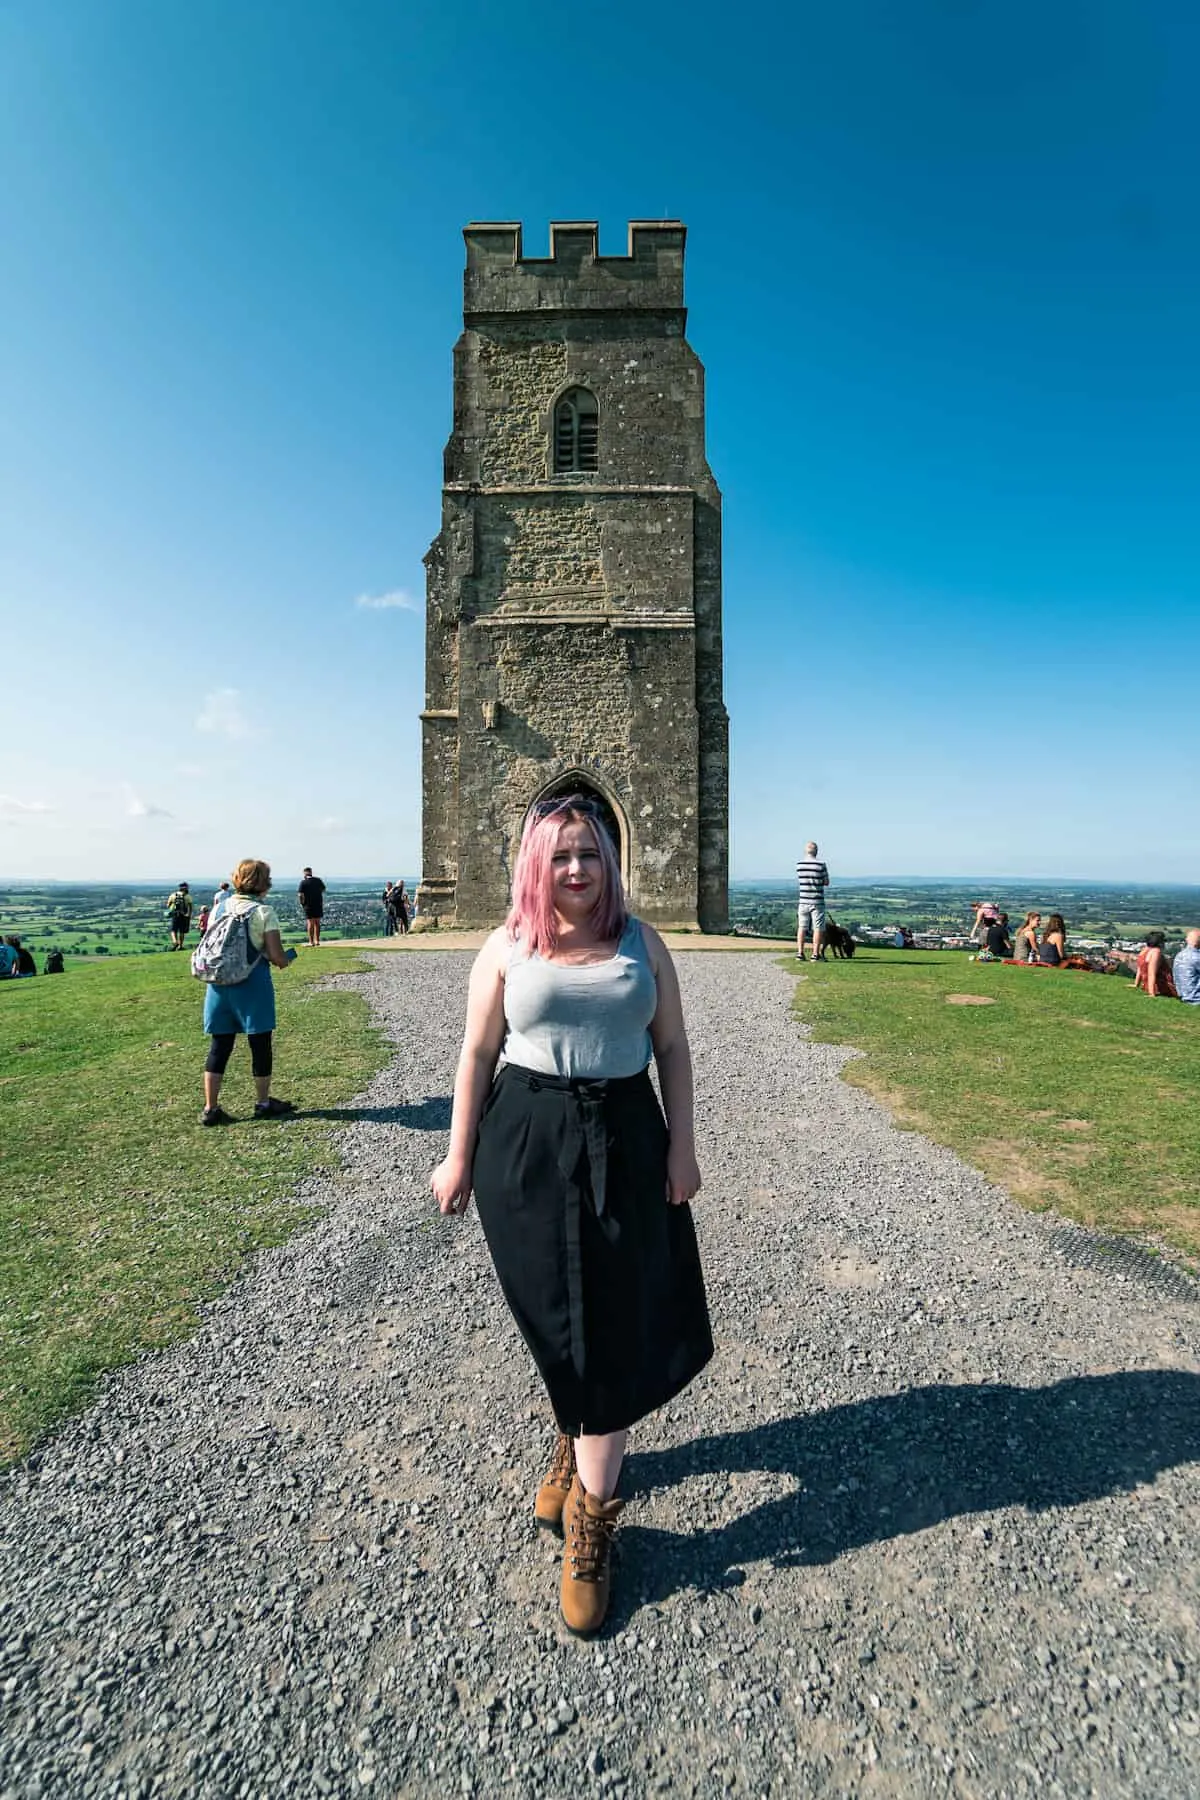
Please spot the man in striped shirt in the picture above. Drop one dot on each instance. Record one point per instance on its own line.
(813, 877)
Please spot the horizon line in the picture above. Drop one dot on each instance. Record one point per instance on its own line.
(787, 879)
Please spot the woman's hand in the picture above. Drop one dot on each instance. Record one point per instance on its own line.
(451, 1184)
(683, 1176)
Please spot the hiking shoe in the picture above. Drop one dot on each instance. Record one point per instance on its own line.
(556, 1485)
(273, 1108)
(588, 1526)
(215, 1115)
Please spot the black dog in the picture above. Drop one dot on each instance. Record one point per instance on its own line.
(838, 939)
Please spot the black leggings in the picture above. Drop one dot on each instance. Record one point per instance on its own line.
(221, 1049)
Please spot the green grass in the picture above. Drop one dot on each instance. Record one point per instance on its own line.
(1071, 1090)
(118, 1213)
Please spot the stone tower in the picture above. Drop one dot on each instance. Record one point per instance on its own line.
(573, 636)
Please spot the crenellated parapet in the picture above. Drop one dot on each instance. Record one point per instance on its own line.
(500, 278)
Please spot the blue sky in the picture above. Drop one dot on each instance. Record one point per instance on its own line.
(944, 273)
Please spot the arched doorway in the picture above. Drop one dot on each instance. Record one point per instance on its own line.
(574, 781)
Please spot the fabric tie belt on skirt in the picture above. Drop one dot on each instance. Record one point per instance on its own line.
(584, 1153)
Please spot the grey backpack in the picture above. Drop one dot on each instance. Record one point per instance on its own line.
(225, 956)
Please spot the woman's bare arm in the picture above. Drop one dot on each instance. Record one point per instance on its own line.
(482, 1043)
(673, 1057)
(273, 949)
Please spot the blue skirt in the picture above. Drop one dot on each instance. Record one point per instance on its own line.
(247, 1006)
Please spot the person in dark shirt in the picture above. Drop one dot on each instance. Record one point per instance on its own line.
(23, 963)
(1053, 948)
(179, 914)
(400, 902)
(312, 905)
(997, 938)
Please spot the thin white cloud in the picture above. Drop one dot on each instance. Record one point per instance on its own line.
(396, 598)
(12, 808)
(329, 823)
(137, 808)
(191, 771)
(222, 715)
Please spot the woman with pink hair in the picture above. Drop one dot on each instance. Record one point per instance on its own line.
(582, 1186)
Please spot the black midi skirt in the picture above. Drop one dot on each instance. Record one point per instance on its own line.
(601, 1275)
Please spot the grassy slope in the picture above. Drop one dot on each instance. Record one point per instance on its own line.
(117, 1212)
(1072, 1090)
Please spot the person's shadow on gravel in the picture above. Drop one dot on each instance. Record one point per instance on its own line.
(431, 1114)
(857, 1474)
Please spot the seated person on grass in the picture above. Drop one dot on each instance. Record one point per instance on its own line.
(1153, 974)
(997, 939)
(1052, 951)
(1025, 945)
(1186, 969)
(24, 964)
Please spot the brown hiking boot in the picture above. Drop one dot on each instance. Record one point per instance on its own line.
(588, 1526)
(556, 1485)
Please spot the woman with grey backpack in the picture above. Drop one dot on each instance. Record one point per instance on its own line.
(233, 958)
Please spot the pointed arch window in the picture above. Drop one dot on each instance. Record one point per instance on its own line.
(576, 432)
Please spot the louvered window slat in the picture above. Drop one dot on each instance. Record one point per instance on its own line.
(576, 432)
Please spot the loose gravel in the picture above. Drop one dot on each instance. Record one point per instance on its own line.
(927, 1526)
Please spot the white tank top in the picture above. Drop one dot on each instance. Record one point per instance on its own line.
(588, 1021)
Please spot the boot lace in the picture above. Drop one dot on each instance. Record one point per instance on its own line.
(591, 1540)
(562, 1468)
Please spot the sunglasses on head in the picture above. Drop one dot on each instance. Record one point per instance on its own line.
(542, 809)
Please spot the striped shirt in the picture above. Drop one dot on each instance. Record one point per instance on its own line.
(813, 877)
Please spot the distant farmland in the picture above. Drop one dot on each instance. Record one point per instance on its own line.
(1097, 910)
(115, 919)
(110, 919)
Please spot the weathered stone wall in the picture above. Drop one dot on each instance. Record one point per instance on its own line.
(616, 705)
(515, 378)
(531, 545)
(645, 375)
(575, 619)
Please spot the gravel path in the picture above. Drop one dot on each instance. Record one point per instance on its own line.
(926, 1527)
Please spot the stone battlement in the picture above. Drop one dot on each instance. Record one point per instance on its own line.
(574, 277)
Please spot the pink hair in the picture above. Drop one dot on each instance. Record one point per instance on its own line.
(533, 919)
